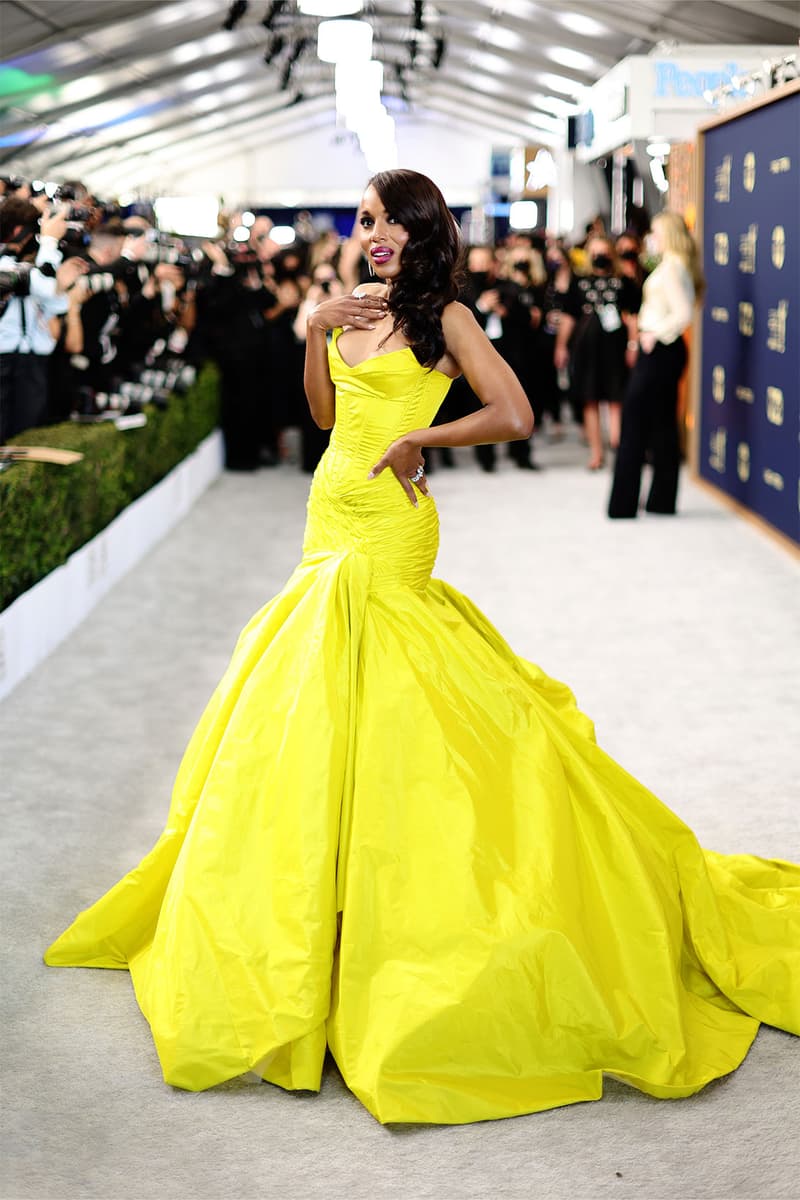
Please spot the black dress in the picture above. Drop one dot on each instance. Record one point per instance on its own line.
(597, 302)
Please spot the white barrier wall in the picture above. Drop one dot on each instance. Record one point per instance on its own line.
(47, 613)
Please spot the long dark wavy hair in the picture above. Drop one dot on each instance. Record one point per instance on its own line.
(432, 262)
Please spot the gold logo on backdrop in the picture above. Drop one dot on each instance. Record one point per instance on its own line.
(718, 384)
(718, 443)
(747, 251)
(720, 314)
(746, 318)
(749, 171)
(773, 479)
(778, 246)
(745, 393)
(722, 180)
(776, 327)
(779, 166)
(774, 406)
(743, 461)
(721, 249)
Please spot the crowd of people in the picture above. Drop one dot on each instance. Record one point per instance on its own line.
(91, 297)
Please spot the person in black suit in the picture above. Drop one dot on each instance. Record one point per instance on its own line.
(498, 307)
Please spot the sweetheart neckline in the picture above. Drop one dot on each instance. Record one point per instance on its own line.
(383, 354)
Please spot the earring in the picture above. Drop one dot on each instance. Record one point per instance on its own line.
(371, 268)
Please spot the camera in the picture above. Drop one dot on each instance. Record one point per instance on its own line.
(127, 397)
(242, 258)
(65, 191)
(14, 281)
(103, 279)
(11, 183)
(164, 249)
(73, 241)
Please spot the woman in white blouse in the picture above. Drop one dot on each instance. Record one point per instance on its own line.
(650, 409)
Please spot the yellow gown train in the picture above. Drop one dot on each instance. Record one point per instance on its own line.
(392, 837)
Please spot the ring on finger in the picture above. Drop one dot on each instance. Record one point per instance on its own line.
(418, 474)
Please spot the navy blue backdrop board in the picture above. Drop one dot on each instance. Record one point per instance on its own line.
(749, 414)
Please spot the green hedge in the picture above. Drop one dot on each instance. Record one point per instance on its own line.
(48, 511)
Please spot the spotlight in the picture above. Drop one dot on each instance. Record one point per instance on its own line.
(276, 45)
(438, 51)
(419, 6)
(275, 9)
(298, 49)
(235, 14)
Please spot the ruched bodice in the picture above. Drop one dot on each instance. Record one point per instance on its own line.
(377, 401)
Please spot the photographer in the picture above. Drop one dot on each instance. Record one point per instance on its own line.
(497, 305)
(33, 281)
(94, 365)
(235, 309)
(153, 293)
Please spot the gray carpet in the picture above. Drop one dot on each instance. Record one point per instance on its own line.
(679, 636)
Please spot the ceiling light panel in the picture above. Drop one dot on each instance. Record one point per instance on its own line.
(493, 63)
(544, 121)
(565, 56)
(78, 91)
(492, 34)
(329, 8)
(52, 59)
(523, 10)
(554, 105)
(122, 34)
(479, 83)
(215, 43)
(582, 25)
(561, 84)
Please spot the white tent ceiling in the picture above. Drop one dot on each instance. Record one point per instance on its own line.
(100, 88)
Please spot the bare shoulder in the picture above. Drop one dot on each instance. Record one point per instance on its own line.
(458, 322)
(462, 333)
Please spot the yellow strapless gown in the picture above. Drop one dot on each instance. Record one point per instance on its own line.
(392, 837)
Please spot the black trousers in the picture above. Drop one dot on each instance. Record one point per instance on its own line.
(245, 416)
(520, 451)
(650, 422)
(23, 393)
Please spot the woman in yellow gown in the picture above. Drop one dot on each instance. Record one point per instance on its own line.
(392, 837)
